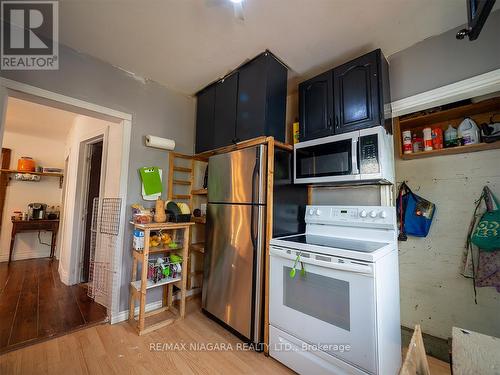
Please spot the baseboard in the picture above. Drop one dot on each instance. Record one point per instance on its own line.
(123, 315)
(22, 256)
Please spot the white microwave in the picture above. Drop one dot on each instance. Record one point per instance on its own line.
(360, 157)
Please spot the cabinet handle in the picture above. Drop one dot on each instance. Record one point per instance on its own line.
(329, 122)
(336, 121)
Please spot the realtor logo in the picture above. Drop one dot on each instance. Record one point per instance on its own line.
(30, 34)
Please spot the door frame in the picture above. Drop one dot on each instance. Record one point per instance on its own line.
(84, 168)
(13, 88)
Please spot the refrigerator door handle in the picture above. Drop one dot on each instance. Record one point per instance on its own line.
(258, 235)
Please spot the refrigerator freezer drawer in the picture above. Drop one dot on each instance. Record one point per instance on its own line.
(232, 287)
(238, 176)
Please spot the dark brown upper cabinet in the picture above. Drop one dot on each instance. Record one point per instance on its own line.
(226, 95)
(205, 119)
(349, 97)
(262, 99)
(249, 102)
(316, 107)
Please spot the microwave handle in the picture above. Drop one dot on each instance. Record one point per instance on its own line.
(355, 155)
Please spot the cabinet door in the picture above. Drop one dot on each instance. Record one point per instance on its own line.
(226, 92)
(205, 120)
(251, 118)
(315, 107)
(356, 94)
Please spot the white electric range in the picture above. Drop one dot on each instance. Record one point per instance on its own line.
(339, 313)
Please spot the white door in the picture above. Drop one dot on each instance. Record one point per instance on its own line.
(332, 305)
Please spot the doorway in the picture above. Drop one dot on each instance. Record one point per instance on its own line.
(94, 166)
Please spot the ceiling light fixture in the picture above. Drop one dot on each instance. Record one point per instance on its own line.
(236, 1)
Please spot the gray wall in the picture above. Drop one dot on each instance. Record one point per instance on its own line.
(155, 109)
(442, 59)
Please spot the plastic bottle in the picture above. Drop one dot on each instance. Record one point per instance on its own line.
(427, 139)
(468, 132)
(450, 137)
(407, 148)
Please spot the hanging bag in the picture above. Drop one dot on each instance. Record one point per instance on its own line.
(415, 213)
(486, 235)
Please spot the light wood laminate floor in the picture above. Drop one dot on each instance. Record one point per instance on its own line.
(107, 349)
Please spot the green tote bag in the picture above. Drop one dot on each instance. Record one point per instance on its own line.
(486, 235)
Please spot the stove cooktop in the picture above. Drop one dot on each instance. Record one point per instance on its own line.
(335, 242)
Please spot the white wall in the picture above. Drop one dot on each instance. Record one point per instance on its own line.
(48, 153)
(433, 293)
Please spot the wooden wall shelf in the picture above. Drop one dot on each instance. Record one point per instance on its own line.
(452, 150)
(480, 112)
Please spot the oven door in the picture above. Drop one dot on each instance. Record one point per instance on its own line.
(332, 305)
(329, 159)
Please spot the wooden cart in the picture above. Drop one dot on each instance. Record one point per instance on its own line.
(167, 313)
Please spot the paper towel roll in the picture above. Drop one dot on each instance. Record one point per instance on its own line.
(158, 142)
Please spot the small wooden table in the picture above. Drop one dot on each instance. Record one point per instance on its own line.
(34, 226)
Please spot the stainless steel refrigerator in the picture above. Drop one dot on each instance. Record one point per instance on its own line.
(235, 238)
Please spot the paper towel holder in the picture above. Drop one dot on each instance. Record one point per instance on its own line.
(159, 142)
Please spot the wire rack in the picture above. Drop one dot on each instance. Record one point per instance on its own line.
(110, 216)
(105, 228)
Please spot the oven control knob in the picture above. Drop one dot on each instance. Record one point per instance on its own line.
(363, 213)
(373, 214)
(382, 214)
(311, 211)
(318, 212)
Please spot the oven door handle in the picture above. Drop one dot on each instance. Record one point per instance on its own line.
(365, 269)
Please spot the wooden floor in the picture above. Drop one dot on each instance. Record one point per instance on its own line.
(117, 349)
(36, 305)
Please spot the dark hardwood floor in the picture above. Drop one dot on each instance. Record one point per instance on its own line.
(36, 305)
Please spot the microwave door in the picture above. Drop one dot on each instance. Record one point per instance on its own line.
(329, 159)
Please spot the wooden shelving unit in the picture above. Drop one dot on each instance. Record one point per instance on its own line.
(199, 220)
(199, 192)
(198, 246)
(185, 172)
(44, 174)
(480, 112)
(139, 288)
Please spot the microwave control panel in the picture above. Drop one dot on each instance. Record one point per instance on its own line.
(368, 149)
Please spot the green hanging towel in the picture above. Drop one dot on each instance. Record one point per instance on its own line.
(151, 180)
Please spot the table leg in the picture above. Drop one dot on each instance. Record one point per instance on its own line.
(53, 244)
(12, 240)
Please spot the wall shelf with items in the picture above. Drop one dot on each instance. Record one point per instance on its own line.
(41, 174)
(480, 112)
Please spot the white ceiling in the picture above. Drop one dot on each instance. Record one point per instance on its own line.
(37, 120)
(186, 44)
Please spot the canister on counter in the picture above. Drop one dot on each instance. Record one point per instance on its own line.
(407, 147)
(427, 139)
